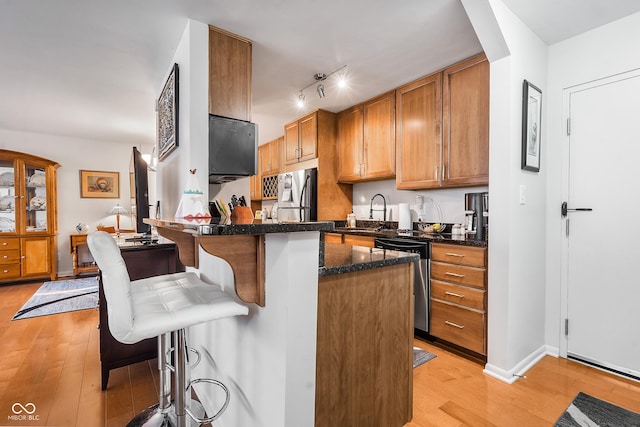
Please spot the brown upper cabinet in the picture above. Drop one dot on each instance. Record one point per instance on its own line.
(301, 139)
(465, 114)
(442, 128)
(366, 140)
(229, 75)
(269, 157)
(418, 133)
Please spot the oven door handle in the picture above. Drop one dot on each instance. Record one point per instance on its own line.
(395, 247)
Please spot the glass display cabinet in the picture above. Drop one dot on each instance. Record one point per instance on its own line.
(28, 217)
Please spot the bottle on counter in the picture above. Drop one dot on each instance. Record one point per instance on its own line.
(351, 220)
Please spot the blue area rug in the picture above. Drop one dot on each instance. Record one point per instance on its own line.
(589, 411)
(421, 356)
(61, 296)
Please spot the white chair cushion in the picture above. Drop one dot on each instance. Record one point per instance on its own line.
(115, 282)
(174, 301)
(156, 305)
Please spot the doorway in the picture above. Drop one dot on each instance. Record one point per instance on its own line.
(601, 289)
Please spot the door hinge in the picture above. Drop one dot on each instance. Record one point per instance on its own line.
(568, 125)
(566, 327)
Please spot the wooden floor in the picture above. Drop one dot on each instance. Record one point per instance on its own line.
(53, 362)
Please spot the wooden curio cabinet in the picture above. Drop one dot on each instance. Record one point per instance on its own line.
(28, 217)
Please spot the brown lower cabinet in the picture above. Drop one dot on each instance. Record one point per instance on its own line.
(364, 374)
(459, 296)
(142, 261)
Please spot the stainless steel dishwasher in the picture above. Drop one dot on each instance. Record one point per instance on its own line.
(421, 276)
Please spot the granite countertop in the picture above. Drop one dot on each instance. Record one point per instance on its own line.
(205, 227)
(390, 231)
(340, 259)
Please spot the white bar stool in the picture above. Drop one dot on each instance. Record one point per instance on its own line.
(160, 306)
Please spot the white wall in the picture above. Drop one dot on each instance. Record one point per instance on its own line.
(192, 57)
(75, 154)
(517, 245)
(450, 202)
(605, 51)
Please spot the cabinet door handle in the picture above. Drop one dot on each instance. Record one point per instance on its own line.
(443, 168)
(454, 254)
(435, 177)
(454, 274)
(453, 294)
(455, 325)
(5, 271)
(4, 243)
(5, 257)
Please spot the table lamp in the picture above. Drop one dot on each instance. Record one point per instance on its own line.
(118, 210)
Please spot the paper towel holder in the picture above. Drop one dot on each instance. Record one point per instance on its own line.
(404, 217)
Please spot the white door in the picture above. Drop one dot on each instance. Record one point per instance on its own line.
(602, 253)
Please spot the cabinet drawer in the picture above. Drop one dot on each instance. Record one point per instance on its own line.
(355, 240)
(7, 243)
(10, 257)
(462, 295)
(9, 271)
(458, 325)
(333, 238)
(458, 274)
(458, 254)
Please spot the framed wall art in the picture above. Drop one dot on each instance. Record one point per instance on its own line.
(168, 115)
(99, 184)
(531, 126)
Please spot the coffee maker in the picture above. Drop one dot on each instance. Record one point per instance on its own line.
(476, 207)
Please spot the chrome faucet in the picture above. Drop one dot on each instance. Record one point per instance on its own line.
(384, 212)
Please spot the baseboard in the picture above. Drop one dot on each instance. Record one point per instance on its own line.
(65, 275)
(511, 375)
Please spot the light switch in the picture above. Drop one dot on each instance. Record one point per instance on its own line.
(523, 194)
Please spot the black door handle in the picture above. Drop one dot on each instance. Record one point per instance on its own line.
(564, 209)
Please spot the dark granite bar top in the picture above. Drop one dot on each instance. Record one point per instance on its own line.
(340, 259)
(204, 227)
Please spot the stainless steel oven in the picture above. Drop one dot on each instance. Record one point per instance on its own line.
(421, 280)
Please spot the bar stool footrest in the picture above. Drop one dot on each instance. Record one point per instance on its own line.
(224, 406)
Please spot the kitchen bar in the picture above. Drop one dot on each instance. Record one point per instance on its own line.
(285, 363)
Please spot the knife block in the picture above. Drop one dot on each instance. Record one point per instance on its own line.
(241, 215)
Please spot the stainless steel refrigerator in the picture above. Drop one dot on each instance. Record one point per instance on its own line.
(298, 196)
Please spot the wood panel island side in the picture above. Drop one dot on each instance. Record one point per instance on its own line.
(328, 339)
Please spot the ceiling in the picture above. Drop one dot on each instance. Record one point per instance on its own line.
(91, 69)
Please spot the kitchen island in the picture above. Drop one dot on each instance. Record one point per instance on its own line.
(306, 354)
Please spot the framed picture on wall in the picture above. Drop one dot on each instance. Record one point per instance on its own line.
(168, 115)
(99, 184)
(531, 129)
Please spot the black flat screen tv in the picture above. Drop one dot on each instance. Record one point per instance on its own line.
(233, 149)
(139, 187)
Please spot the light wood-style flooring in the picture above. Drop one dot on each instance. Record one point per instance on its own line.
(54, 363)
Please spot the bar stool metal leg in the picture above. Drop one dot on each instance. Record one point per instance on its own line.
(180, 377)
(160, 414)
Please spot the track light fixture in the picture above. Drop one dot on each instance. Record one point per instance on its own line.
(301, 100)
(319, 78)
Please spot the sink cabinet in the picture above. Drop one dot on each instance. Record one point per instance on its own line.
(28, 217)
(366, 140)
